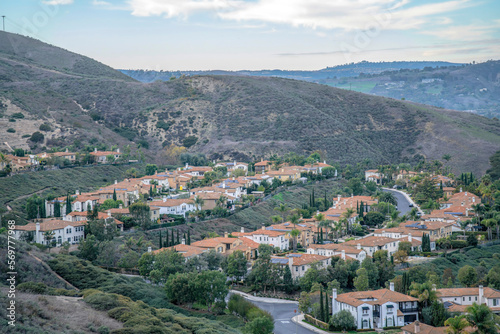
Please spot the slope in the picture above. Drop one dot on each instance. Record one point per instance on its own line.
(238, 117)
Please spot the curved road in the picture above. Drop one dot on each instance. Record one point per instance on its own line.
(282, 312)
(403, 201)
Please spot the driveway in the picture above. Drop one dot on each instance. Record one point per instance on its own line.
(282, 312)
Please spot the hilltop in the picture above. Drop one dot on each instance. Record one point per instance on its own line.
(241, 117)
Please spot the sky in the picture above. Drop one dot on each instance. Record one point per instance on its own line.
(260, 34)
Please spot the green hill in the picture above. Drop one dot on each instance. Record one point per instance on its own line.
(228, 117)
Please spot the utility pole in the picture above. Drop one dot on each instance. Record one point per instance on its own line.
(3, 19)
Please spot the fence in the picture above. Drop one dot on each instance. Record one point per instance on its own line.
(316, 322)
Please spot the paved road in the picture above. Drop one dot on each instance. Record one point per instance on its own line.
(282, 314)
(403, 203)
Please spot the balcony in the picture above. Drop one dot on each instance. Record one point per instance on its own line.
(409, 309)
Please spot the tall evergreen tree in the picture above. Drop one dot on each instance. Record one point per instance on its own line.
(68, 204)
(114, 195)
(172, 242)
(167, 241)
(57, 208)
(189, 238)
(150, 191)
(327, 307)
(178, 241)
(161, 245)
(321, 305)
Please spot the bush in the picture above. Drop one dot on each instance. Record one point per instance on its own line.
(106, 301)
(45, 127)
(17, 115)
(219, 307)
(103, 330)
(11, 130)
(342, 321)
(37, 137)
(456, 244)
(32, 287)
(262, 325)
(189, 141)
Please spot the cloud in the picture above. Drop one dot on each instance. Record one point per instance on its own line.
(471, 32)
(57, 2)
(340, 14)
(100, 3)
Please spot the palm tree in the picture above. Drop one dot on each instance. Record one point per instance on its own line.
(199, 202)
(275, 219)
(282, 209)
(478, 210)
(489, 223)
(336, 227)
(456, 325)
(294, 234)
(319, 218)
(221, 202)
(347, 214)
(481, 317)
(424, 292)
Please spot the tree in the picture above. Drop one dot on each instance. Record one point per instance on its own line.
(282, 209)
(210, 287)
(387, 197)
(400, 256)
(372, 272)
(189, 238)
(294, 234)
(426, 243)
(68, 204)
(448, 277)
(37, 137)
(57, 208)
(236, 265)
(385, 268)
(102, 229)
(165, 263)
(181, 289)
(288, 280)
(467, 275)
(49, 236)
(493, 277)
(89, 248)
(260, 325)
(481, 317)
(320, 218)
(456, 325)
(151, 169)
(115, 198)
(140, 213)
(374, 218)
(424, 292)
(343, 321)
(472, 240)
(361, 282)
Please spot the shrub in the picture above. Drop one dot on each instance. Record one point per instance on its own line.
(105, 301)
(189, 141)
(32, 287)
(342, 321)
(17, 115)
(262, 325)
(11, 130)
(45, 127)
(37, 137)
(103, 330)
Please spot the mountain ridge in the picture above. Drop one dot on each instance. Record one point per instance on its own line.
(229, 117)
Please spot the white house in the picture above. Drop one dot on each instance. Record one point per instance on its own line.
(344, 251)
(457, 299)
(269, 237)
(299, 263)
(69, 231)
(378, 308)
(171, 206)
(373, 175)
(372, 244)
(232, 166)
(102, 156)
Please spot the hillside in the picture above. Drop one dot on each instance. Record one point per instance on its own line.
(230, 117)
(473, 88)
(339, 71)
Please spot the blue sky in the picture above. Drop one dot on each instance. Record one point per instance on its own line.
(260, 34)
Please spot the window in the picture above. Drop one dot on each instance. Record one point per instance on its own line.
(303, 267)
(495, 302)
(296, 268)
(470, 298)
(463, 298)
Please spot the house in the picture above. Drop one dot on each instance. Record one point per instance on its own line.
(70, 156)
(232, 166)
(418, 327)
(372, 244)
(377, 308)
(306, 236)
(262, 166)
(299, 263)
(285, 174)
(457, 299)
(171, 206)
(344, 251)
(154, 212)
(224, 245)
(101, 157)
(269, 237)
(448, 191)
(187, 251)
(435, 229)
(373, 175)
(315, 168)
(412, 235)
(78, 216)
(354, 202)
(69, 231)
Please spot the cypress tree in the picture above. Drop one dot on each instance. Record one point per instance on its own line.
(327, 307)
(114, 195)
(313, 199)
(321, 305)
(161, 245)
(172, 242)
(189, 238)
(178, 241)
(57, 208)
(150, 191)
(167, 242)
(68, 204)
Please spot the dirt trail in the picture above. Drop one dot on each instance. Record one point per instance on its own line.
(46, 266)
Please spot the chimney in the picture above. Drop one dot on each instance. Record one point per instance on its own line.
(460, 189)
(417, 327)
(95, 149)
(343, 254)
(183, 241)
(465, 194)
(77, 192)
(226, 235)
(261, 159)
(109, 213)
(359, 246)
(481, 294)
(391, 286)
(164, 199)
(116, 181)
(409, 237)
(149, 249)
(121, 206)
(352, 195)
(334, 301)
(37, 232)
(186, 165)
(117, 150)
(473, 200)
(67, 150)
(242, 230)
(234, 166)
(434, 287)
(263, 227)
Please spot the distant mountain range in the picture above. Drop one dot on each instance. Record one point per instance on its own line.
(340, 71)
(223, 116)
(473, 88)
